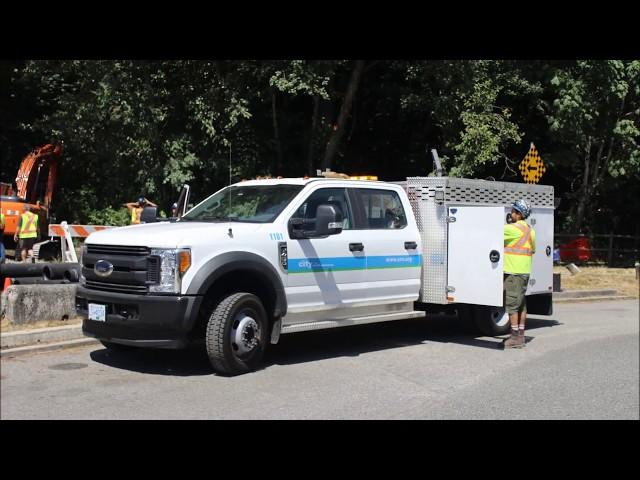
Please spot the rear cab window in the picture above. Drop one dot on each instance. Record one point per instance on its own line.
(379, 209)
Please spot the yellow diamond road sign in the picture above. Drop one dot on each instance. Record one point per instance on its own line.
(532, 167)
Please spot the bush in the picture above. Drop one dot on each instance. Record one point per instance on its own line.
(109, 216)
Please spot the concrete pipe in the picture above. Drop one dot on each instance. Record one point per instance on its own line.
(21, 269)
(56, 271)
(38, 281)
(72, 273)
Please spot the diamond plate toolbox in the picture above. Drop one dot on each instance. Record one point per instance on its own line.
(430, 198)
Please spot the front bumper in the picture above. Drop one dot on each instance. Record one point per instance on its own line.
(161, 321)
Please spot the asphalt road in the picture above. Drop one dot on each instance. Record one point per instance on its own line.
(581, 363)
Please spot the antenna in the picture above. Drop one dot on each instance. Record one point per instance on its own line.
(229, 214)
(436, 160)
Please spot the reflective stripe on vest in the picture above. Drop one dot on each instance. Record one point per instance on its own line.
(29, 225)
(519, 247)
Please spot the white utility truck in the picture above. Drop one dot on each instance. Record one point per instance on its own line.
(263, 258)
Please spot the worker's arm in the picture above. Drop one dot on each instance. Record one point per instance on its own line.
(130, 205)
(18, 227)
(533, 241)
(150, 202)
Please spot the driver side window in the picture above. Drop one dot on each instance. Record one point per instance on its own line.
(330, 196)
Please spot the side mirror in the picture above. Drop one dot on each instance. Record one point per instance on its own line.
(149, 215)
(328, 220)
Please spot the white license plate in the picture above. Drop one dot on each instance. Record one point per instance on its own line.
(97, 312)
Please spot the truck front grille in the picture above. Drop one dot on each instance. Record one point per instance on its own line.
(118, 250)
(116, 287)
(134, 268)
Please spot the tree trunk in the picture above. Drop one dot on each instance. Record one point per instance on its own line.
(276, 134)
(312, 136)
(345, 110)
(584, 194)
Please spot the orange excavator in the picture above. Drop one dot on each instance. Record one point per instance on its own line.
(34, 185)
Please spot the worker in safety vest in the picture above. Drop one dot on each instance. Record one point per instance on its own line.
(26, 232)
(519, 247)
(2, 239)
(136, 208)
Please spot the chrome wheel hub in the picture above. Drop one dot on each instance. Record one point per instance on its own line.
(245, 335)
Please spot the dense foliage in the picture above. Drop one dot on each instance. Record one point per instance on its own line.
(132, 127)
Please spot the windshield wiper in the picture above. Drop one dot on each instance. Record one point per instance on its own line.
(216, 218)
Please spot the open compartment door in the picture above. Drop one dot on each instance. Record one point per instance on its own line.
(475, 254)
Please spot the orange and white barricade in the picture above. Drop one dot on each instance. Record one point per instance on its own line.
(66, 231)
(57, 230)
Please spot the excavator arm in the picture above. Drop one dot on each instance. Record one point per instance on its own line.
(32, 167)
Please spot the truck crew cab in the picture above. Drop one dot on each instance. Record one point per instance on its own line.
(263, 258)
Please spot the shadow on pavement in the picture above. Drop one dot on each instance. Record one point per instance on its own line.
(156, 361)
(353, 341)
(319, 345)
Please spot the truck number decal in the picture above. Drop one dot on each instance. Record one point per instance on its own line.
(276, 236)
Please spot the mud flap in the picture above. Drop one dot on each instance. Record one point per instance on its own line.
(540, 304)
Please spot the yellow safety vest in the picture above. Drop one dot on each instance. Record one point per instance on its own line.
(28, 225)
(519, 247)
(135, 218)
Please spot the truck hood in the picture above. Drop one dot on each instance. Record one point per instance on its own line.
(172, 235)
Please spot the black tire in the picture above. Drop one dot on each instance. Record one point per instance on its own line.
(491, 321)
(116, 347)
(236, 335)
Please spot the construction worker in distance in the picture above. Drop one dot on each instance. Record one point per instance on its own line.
(26, 232)
(519, 247)
(2, 235)
(136, 208)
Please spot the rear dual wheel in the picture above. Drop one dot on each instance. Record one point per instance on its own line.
(490, 321)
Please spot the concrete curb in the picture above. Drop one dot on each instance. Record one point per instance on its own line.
(23, 338)
(594, 299)
(14, 352)
(584, 293)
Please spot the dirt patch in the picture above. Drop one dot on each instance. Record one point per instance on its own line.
(597, 278)
(5, 326)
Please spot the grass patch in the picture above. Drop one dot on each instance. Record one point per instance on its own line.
(596, 278)
(5, 326)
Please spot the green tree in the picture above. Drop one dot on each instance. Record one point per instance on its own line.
(595, 114)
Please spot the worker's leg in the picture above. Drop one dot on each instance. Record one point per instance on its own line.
(23, 254)
(522, 317)
(511, 305)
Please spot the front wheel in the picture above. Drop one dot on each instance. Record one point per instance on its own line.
(491, 321)
(236, 335)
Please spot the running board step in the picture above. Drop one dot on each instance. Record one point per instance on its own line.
(345, 322)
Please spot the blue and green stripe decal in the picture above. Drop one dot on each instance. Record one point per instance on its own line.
(339, 264)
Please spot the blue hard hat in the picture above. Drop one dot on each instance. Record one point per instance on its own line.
(523, 207)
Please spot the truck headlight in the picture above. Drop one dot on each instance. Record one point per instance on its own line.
(174, 262)
(82, 280)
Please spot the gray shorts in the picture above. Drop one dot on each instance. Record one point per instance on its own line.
(515, 287)
(26, 243)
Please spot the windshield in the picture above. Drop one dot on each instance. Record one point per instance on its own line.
(257, 204)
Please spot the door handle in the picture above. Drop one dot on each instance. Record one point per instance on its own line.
(410, 245)
(356, 247)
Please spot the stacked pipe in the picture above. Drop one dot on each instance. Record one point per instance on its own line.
(40, 273)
